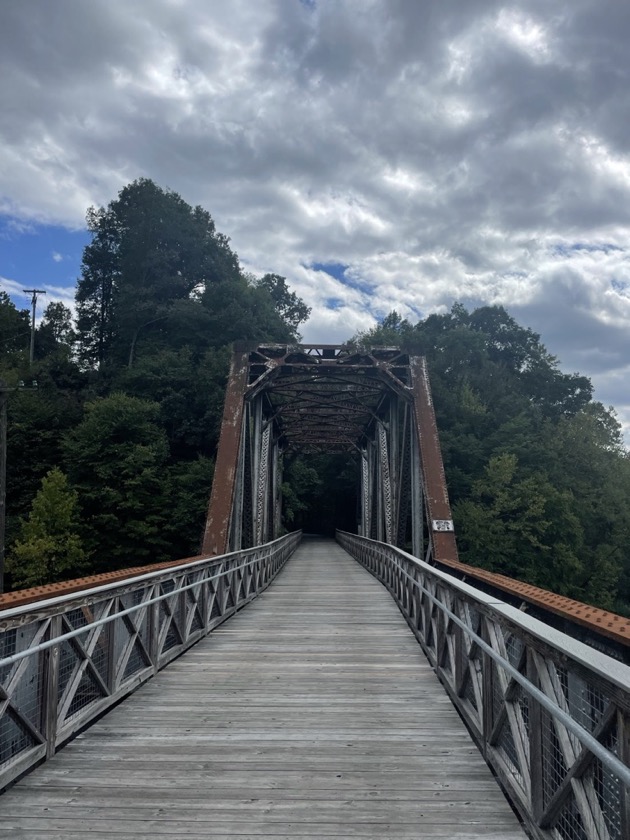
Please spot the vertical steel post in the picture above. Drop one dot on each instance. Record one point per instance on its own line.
(365, 495)
(417, 502)
(385, 486)
(394, 468)
(276, 489)
(51, 691)
(262, 521)
(236, 538)
(256, 442)
(440, 518)
(217, 532)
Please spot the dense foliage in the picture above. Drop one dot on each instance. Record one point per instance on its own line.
(537, 472)
(112, 453)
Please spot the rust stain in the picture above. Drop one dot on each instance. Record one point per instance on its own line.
(608, 624)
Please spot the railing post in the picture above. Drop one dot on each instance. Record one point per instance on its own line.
(487, 687)
(535, 744)
(51, 693)
(181, 611)
(109, 635)
(154, 629)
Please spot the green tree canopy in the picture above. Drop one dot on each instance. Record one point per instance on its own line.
(287, 304)
(157, 275)
(149, 249)
(116, 459)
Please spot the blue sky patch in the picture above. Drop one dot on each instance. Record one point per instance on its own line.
(566, 250)
(336, 270)
(339, 272)
(38, 256)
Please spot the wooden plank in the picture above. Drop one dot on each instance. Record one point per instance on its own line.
(312, 713)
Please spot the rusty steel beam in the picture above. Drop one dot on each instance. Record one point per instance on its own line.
(217, 531)
(440, 518)
(19, 597)
(597, 621)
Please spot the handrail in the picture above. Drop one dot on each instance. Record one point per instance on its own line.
(16, 657)
(551, 715)
(54, 683)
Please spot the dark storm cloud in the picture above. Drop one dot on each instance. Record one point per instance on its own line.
(440, 150)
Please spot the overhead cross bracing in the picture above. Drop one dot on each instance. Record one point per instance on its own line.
(330, 398)
(326, 397)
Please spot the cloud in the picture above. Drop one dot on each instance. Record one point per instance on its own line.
(57, 257)
(439, 151)
(52, 294)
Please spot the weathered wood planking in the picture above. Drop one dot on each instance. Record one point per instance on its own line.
(311, 714)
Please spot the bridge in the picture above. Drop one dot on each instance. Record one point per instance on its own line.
(291, 686)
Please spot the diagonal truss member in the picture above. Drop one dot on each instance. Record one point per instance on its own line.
(331, 398)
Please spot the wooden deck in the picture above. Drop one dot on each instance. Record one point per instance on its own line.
(311, 714)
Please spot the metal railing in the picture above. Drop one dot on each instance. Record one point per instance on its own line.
(65, 660)
(551, 715)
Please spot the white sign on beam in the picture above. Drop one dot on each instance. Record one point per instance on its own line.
(443, 525)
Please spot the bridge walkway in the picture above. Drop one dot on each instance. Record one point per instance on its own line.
(310, 714)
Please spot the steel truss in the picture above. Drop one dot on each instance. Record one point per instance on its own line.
(331, 398)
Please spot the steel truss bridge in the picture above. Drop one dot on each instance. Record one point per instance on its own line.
(315, 712)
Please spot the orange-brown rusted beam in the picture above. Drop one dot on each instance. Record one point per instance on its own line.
(69, 587)
(599, 621)
(434, 480)
(217, 532)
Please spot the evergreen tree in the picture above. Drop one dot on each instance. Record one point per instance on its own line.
(49, 547)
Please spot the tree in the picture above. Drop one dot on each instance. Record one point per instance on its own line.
(393, 330)
(117, 461)
(57, 321)
(49, 547)
(239, 310)
(522, 527)
(190, 483)
(149, 249)
(288, 305)
(37, 421)
(189, 391)
(98, 286)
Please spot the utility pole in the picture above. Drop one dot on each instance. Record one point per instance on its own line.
(33, 293)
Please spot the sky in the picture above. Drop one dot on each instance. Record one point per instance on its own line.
(380, 154)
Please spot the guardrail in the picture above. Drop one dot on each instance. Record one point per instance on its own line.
(65, 660)
(550, 714)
